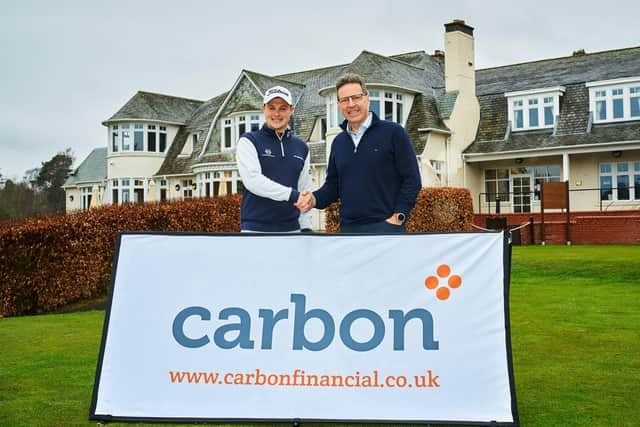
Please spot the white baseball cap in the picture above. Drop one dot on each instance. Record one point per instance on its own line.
(278, 92)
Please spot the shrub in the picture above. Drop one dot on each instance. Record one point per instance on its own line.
(49, 262)
(436, 210)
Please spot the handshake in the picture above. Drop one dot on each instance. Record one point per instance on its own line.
(306, 201)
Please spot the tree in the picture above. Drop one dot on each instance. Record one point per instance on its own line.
(16, 200)
(51, 178)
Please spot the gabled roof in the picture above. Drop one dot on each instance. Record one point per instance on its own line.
(264, 83)
(573, 121)
(92, 169)
(156, 107)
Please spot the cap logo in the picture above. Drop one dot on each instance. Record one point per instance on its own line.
(276, 90)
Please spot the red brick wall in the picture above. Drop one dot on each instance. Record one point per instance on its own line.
(587, 228)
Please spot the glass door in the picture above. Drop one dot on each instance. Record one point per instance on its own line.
(521, 185)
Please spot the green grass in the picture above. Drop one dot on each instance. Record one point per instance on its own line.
(575, 319)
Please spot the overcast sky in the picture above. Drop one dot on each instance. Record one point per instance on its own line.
(68, 65)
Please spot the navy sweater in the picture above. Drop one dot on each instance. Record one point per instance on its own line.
(282, 163)
(379, 178)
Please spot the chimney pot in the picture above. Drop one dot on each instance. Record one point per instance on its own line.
(458, 25)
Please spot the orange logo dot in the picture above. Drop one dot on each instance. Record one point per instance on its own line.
(431, 282)
(455, 281)
(443, 270)
(443, 293)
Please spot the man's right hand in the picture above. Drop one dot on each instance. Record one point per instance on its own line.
(306, 201)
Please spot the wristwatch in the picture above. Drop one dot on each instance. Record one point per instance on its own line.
(401, 217)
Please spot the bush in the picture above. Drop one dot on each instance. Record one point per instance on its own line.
(50, 262)
(436, 210)
(47, 263)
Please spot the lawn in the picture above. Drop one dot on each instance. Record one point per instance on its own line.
(575, 318)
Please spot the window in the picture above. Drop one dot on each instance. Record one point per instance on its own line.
(615, 100)
(151, 138)
(549, 115)
(226, 141)
(255, 122)
(634, 101)
(115, 199)
(438, 167)
(496, 184)
(163, 190)
(126, 135)
(126, 190)
(138, 191)
(601, 105)
(234, 126)
(620, 181)
(550, 173)
(146, 138)
(115, 143)
(518, 114)
(85, 198)
(138, 137)
(535, 109)
(187, 189)
(219, 183)
(387, 105)
(533, 113)
(162, 134)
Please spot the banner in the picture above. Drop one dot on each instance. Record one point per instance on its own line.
(308, 327)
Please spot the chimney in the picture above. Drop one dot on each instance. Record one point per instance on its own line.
(459, 65)
(438, 55)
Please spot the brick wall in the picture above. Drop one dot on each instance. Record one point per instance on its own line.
(587, 228)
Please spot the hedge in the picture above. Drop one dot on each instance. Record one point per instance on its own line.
(437, 210)
(47, 263)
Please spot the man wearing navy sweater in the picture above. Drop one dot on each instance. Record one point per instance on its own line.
(372, 168)
(274, 166)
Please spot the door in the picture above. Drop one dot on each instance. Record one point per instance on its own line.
(521, 185)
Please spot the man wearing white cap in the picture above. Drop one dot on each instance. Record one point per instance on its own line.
(274, 166)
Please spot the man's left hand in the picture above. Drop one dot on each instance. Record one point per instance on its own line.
(393, 219)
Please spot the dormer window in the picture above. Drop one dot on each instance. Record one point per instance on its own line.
(387, 104)
(534, 109)
(233, 126)
(138, 137)
(614, 100)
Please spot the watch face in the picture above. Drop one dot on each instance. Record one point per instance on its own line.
(401, 217)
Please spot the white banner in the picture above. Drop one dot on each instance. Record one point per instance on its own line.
(232, 327)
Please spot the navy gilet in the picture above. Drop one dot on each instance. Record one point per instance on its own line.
(281, 162)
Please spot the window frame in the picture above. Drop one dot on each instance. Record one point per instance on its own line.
(522, 104)
(400, 105)
(130, 132)
(231, 124)
(607, 91)
(632, 173)
(210, 182)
